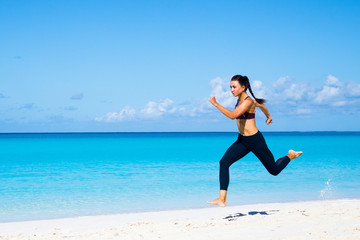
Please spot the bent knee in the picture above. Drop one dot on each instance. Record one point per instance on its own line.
(274, 172)
(223, 163)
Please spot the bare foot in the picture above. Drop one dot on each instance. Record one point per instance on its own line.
(217, 202)
(292, 154)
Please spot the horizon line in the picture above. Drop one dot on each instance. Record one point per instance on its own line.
(96, 132)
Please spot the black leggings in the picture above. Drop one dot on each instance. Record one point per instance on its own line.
(243, 145)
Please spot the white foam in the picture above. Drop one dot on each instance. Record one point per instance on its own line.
(327, 192)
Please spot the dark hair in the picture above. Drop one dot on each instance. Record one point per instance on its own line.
(244, 81)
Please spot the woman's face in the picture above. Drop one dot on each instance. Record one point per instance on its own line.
(236, 88)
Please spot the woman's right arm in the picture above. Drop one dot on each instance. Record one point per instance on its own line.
(239, 110)
(264, 109)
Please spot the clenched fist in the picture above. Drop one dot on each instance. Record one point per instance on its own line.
(212, 100)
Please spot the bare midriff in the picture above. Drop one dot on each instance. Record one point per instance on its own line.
(247, 127)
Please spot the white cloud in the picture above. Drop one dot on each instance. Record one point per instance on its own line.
(333, 92)
(183, 103)
(296, 91)
(257, 84)
(166, 107)
(201, 107)
(353, 89)
(282, 94)
(126, 113)
(259, 90)
(156, 110)
(282, 83)
(152, 110)
(326, 94)
(338, 103)
(333, 81)
(221, 91)
(301, 111)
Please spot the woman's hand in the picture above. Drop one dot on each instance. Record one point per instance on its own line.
(213, 100)
(269, 120)
(264, 109)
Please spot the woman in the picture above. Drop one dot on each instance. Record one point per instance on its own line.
(250, 138)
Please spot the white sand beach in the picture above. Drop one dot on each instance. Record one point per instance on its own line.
(327, 219)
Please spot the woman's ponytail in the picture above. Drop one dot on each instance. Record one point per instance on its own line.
(259, 100)
(244, 81)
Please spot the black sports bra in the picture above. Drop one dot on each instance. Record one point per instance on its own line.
(246, 115)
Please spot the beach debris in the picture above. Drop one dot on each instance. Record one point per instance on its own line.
(303, 212)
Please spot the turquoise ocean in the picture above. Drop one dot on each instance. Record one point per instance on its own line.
(54, 175)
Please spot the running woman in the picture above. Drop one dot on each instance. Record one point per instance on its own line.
(250, 139)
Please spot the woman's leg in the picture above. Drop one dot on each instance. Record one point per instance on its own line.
(236, 151)
(261, 150)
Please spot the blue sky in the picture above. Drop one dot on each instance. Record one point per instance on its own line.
(152, 65)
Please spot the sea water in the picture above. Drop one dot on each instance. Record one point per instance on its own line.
(53, 175)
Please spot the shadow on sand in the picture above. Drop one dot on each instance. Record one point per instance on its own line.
(235, 216)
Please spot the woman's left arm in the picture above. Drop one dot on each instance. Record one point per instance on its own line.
(265, 110)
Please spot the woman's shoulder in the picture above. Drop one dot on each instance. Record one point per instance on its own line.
(257, 104)
(250, 100)
(246, 101)
(247, 97)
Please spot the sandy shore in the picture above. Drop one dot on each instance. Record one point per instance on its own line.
(331, 219)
